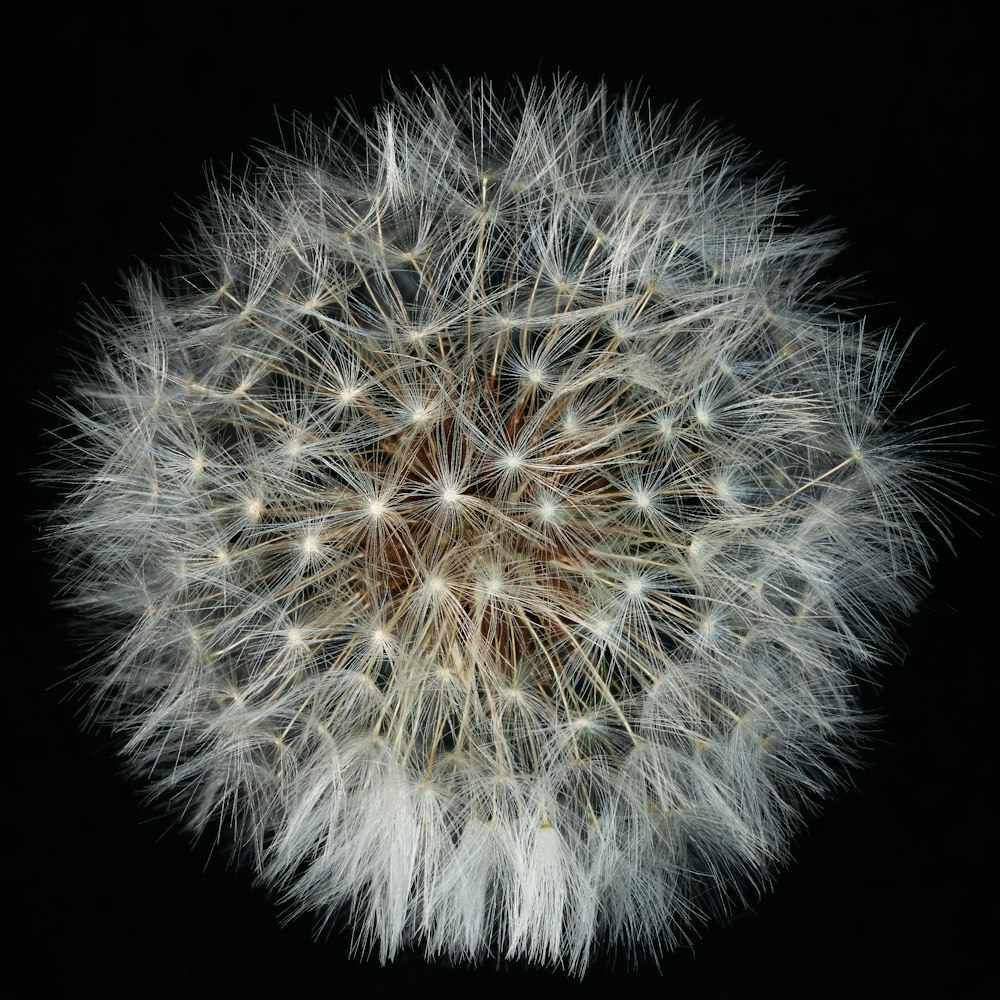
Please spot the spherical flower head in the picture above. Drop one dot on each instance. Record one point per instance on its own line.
(489, 523)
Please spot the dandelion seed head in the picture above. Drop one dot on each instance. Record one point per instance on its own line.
(494, 523)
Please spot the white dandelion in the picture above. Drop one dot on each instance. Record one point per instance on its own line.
(490, 521)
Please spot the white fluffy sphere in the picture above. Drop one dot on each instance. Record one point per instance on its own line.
(489, 521)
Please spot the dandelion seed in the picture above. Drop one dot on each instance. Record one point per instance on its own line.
(511, 461)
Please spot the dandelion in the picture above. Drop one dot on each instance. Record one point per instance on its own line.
(489, 523)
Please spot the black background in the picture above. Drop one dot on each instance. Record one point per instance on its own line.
(885, 117)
